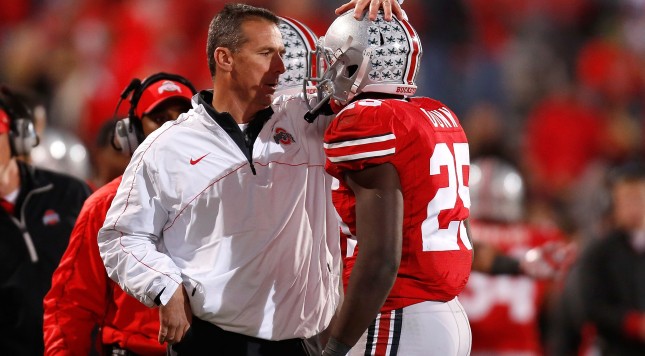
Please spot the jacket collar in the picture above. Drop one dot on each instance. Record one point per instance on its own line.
(224, 119)
(244, 140)
(30, 180)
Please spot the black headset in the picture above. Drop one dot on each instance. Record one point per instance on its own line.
(128, 132)
(22, 134)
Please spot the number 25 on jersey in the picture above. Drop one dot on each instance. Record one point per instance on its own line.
(434, 237)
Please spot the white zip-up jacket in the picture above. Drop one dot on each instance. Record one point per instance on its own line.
(254, 241)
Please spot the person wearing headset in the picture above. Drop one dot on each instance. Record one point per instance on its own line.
(37, 213)
(82, 296)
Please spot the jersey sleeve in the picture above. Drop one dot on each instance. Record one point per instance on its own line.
(76, 301)
(361, 136)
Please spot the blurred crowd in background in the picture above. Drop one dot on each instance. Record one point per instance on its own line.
(555, 87)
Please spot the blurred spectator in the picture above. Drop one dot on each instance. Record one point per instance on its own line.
(563, 135)
(487, 133)
(38, 210)
(612, 269)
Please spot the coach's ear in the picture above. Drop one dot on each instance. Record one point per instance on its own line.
(223, 59)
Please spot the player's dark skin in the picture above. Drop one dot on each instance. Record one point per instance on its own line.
(379, 231)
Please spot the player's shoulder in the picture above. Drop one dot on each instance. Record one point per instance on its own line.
(427, 103)
(366, 112)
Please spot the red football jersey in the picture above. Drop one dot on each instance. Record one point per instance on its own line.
(504, 310)
(426, 144)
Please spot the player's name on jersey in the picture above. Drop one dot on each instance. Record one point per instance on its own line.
(441, 117)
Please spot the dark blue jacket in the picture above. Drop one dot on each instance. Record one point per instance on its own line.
(32, 242)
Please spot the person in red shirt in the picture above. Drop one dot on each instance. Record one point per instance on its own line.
(402, 165)
(82, 296)
(514, 265)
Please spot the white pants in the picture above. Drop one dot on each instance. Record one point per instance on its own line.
(423, 329)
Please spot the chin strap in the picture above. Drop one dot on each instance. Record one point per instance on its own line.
(313, 113)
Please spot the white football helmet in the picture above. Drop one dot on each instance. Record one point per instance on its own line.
(367, 56)
(299, 42)
(496, 191)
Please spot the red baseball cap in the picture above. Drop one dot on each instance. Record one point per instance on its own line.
(4, 122)
(159, 92)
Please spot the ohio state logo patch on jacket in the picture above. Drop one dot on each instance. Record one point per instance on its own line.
(283, 137)
(50, 217)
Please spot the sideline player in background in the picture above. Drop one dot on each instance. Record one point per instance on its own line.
(403, 198)
(514, 264)
(82, 296)
(38, 209)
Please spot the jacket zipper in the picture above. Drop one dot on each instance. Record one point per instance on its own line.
(249, 145)
(22, 226)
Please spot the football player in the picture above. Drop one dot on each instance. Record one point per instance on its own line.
(402, 195)
(514, 263)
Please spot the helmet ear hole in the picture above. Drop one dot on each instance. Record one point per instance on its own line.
(351, 70)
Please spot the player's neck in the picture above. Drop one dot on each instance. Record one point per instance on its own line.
(377, 96)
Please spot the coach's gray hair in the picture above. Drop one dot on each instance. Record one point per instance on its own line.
(225, 29)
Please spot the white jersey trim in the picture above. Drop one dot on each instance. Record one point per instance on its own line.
(371, 154)
(362, 141)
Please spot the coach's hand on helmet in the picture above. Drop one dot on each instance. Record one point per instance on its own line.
(389, 7)
(175, 317)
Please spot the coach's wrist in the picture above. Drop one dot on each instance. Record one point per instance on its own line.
(335, 348)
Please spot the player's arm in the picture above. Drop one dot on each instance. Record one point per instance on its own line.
(389, 7)
(379, 224)
(542, 262)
